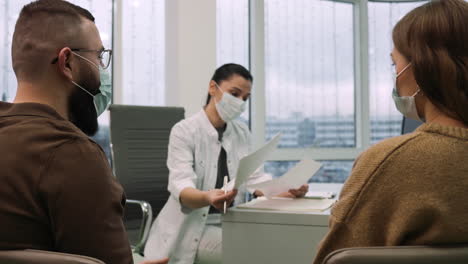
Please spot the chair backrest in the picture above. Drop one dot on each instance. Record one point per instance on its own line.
(139, 141)
(409, 125)
(30, 256)
(457, 254)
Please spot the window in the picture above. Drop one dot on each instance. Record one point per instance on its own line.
(336, 171)
(232, 37)
(309, 70)
(232, 32)
(384, 117)
(327, 79)
(310, 81)
(143, 55)
(9, 11)
(102, 11)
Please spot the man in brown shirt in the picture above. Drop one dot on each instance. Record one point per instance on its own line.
(57, 191)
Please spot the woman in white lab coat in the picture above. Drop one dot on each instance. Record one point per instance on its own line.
(202, 150)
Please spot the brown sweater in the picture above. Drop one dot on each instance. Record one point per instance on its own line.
(407, 190)
(57, 191)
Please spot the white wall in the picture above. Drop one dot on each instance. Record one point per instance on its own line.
(190, 52)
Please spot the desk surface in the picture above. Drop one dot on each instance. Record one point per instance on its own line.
(285, 217)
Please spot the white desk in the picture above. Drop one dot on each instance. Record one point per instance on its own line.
(267, 237)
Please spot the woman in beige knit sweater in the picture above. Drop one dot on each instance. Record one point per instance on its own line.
(413, 189)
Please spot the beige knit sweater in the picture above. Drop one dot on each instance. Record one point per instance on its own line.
(407, 190)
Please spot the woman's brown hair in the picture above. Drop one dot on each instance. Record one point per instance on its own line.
(434, 38)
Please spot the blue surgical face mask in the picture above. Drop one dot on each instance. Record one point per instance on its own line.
(103, 99)
(405, 104)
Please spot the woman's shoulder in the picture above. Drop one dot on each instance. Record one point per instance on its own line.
(389, 146)
(188, 125)
(385, 161)
(384, 154)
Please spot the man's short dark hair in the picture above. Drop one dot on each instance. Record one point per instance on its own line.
(43, 27)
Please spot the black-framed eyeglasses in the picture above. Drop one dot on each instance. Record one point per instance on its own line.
(104, 55)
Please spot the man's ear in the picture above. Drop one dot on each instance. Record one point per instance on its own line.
(65, 63)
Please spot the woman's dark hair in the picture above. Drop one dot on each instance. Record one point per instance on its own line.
(434, 38)
(226, 72)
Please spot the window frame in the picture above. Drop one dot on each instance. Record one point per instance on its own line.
(117, 59)
(361, 84)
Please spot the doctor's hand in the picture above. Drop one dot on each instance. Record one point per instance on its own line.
(159, 261)
(216, 198)
(296, 193)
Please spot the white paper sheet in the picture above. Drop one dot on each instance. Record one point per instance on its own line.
(288, 204)
(250, 163)
(293, 179)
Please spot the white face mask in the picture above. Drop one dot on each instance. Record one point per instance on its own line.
(229, 107)
(405, 104)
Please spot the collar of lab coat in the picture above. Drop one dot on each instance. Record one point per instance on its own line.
(212, 132)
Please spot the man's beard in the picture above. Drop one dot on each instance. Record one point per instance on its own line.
(82, 112)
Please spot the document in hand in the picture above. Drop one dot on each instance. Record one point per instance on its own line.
(250, 163)
(293, 179)
(289, 204)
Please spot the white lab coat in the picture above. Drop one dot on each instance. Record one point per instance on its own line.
(192, 161)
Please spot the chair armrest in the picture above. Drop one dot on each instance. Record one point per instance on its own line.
(436, 254)
(147, 213)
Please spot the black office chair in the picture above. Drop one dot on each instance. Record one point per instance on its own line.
(454, 254)
(139, 142)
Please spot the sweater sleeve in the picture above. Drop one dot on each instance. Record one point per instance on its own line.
(343, 231)
(85, 203)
